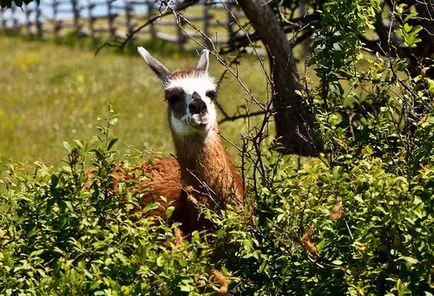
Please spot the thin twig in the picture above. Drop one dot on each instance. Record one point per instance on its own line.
(246, 115)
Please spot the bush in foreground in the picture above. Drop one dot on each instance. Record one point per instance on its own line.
(358, 220)
(355, 225)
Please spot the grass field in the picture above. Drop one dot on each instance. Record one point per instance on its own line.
(51, 93)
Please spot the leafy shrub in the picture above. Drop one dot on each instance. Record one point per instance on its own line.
(351, 226)
(58, 236)
(341, 230)
(358, 220)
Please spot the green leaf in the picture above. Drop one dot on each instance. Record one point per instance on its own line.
(407, 28)
(160, 261)
(169, 211)
(79, 143)
(113, 121)
(409, 260)
(111, 143)
(67, 146)
(150, 207)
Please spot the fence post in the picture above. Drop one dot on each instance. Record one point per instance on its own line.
(111, 16)
(206, 21)
(76, 16)
(152, 29)
(56, 26)
(206, 17)
(38, 22)
(15, 27)
(3, 21)
(27, 12)
(90, 7)
(128, 9)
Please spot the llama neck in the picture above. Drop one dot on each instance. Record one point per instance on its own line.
(206, 167)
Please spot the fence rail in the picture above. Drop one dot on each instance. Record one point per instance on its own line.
(117, 18)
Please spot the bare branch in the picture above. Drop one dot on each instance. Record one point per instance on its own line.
(240, 116)
(296, 24)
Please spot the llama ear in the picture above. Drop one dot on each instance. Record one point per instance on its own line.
(203, 63)
(159, 69)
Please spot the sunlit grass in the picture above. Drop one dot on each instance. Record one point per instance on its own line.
(51, 93)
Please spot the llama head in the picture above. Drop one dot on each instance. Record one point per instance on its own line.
(190, 95)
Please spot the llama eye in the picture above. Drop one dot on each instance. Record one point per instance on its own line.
(172, 98)
(173, 95)
(212, 94)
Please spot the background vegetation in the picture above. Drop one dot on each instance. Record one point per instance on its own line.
(357, 220)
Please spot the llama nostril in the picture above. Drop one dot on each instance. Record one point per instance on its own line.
(197, 106)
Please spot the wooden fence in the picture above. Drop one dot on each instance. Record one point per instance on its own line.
(117, 18)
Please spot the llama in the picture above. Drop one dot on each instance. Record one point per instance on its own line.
(202, 172)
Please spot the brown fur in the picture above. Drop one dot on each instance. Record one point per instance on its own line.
(206, 167)
(208, 173)
(180, 74)
(223, 281)
(204, 174)
(163, 180)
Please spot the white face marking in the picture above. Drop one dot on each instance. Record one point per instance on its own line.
(184, 126)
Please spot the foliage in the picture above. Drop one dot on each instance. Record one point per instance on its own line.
(355, 225)
(63, 236)
(358, 220)
(357, 246)
(19, 3)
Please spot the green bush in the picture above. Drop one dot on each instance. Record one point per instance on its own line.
(61, 236)
(379, 240)
(358, 220)
(354, 225)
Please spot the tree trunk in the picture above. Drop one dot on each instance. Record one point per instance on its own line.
(294, 121)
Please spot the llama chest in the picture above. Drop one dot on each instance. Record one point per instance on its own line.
(212, 186)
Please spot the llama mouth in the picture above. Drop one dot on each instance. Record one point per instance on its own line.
(199, 121)
(200, 124)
